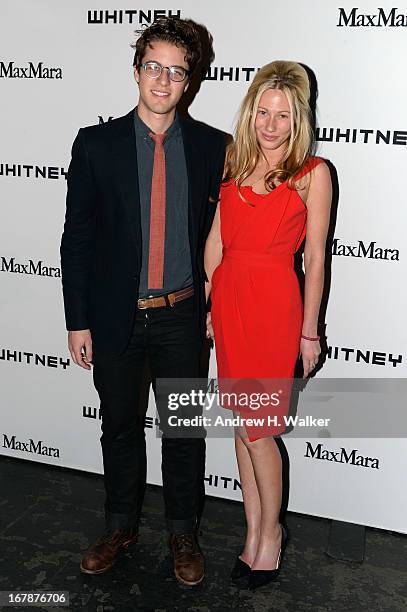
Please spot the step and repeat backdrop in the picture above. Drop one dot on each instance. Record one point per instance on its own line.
(66, 65)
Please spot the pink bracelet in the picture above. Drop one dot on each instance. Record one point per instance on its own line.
(309, 338)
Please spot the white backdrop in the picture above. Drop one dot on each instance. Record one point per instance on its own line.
(357, 56)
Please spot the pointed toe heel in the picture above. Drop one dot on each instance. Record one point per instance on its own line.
(240, 571)
(260, 578)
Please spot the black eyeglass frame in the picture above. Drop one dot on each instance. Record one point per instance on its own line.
(169, 68)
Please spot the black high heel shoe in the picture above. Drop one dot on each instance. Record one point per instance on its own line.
(240, 571)
(259, 578)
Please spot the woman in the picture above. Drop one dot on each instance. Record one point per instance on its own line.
(274, 192)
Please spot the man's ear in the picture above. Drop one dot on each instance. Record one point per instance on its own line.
(136, 74)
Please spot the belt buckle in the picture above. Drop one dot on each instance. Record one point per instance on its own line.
(141, 304)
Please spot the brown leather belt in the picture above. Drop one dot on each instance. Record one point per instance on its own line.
(168, 299)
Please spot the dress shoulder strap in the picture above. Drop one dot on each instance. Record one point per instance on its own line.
(310, 164)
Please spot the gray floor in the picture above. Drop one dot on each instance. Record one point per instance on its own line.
(48, 516)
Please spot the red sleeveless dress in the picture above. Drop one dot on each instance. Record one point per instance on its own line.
(256, 302)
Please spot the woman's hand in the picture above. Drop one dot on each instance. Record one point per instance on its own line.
(310, 351)
(209, 328)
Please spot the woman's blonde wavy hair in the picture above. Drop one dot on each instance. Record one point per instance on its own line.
(244, 153)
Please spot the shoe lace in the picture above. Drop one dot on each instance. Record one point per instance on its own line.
(111, 536)
(184, 543)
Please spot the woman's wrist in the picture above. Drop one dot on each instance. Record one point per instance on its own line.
(311, 338)
(310, 329)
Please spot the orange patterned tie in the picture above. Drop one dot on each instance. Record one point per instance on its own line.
(157, 216)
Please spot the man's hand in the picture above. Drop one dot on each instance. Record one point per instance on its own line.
(80, 347)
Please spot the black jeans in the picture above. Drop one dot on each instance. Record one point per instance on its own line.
(169, 337)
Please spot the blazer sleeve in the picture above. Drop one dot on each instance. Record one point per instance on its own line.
(78, 236)
(217, 166)
(217, 159)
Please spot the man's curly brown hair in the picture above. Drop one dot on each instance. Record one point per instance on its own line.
(179, 32)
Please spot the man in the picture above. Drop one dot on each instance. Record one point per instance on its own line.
(141, 198)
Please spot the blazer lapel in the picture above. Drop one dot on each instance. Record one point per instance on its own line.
(126, 173)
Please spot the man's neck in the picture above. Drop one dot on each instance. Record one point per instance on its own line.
(158, 124)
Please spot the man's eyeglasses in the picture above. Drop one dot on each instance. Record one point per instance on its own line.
(154, 69)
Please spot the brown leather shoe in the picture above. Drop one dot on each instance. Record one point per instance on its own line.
(102, 554)
(188, 559)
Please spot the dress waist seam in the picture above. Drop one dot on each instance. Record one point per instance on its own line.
(263, 258)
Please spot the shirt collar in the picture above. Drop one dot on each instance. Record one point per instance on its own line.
(144, 130)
